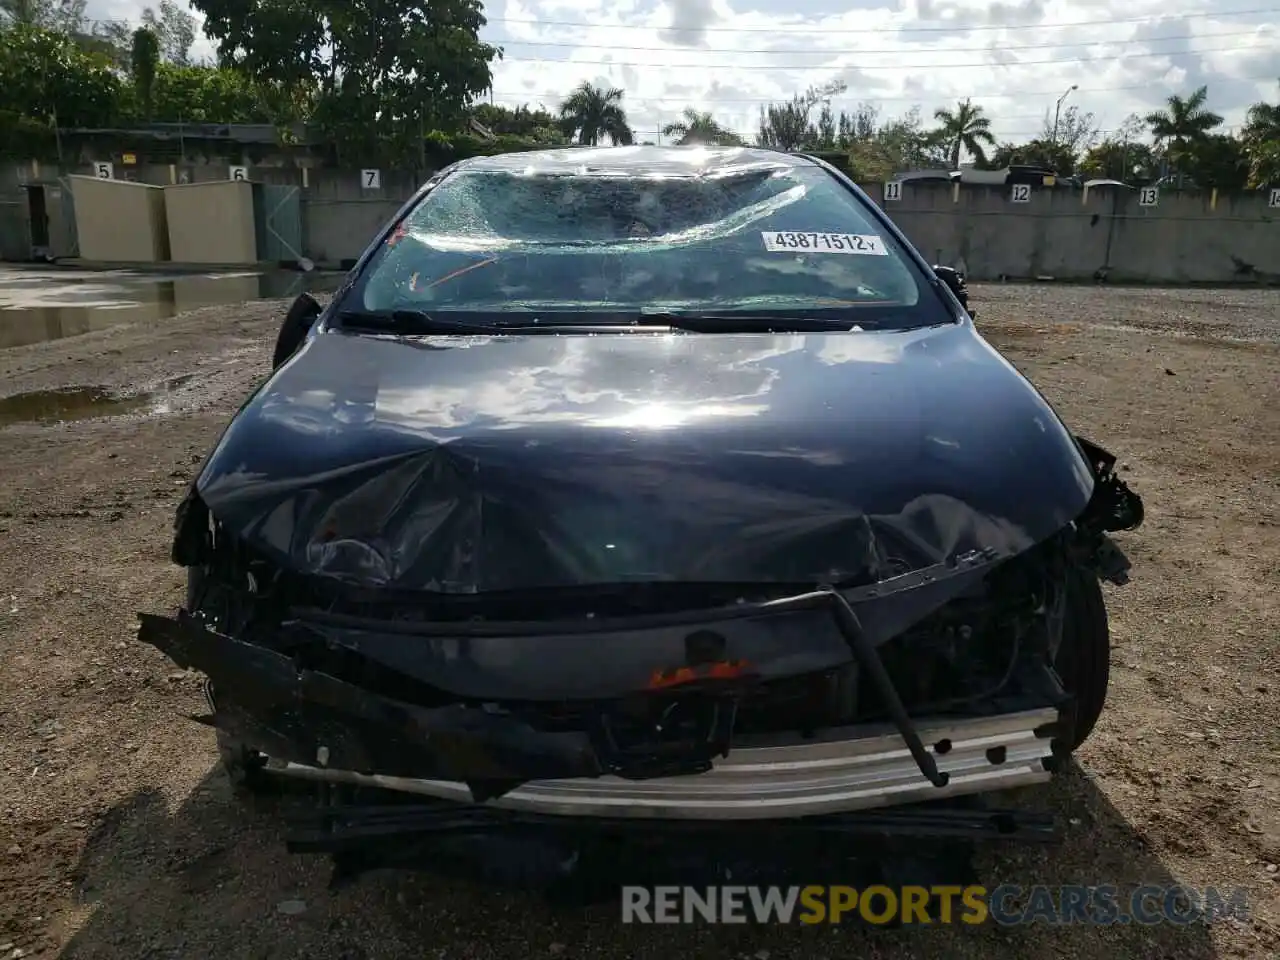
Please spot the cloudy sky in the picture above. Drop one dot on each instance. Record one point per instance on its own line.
(1015, 57)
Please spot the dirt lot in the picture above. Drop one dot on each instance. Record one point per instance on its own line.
(119, 839)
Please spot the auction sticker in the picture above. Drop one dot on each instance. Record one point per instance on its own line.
(866, 244)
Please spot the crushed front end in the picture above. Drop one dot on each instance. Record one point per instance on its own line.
(650, 702)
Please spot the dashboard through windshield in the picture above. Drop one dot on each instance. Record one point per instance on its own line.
(782, 236)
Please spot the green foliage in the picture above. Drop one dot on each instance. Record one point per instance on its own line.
(379, 72)
(1118, 159)
(701, 128)
(143, 60)
(1039, 152)
(1261, 140)
(445, 148)
(592, 114)
(966, 129)
(1218, 161)
(46, 76)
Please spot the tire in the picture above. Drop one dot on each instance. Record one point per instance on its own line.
(1084, 657)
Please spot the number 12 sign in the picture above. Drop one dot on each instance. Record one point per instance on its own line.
(1021, 193)
(1275, 197)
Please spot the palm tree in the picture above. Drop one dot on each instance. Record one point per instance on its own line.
(700, 128)
(1261, 137)
(1182, 125)
(965, 128)
(590, 113)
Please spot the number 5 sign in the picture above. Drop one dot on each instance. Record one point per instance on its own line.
(1149, 197)
(103, 170)
(893, 191)
(1275, 197)
(1021, 193)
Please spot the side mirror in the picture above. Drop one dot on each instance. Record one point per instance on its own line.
(954, 280)
(297, 322)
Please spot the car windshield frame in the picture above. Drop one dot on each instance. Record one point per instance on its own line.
(926, 304)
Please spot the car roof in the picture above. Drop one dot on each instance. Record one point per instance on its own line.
(638, 161)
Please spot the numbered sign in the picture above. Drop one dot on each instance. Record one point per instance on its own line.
(893, 191)
(371, 179)
(103, 170)
(1148, 196)
(1275, 197)
(1021, 193)
(238, 173)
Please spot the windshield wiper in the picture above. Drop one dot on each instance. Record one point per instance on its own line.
(419, 321)
(699, 322)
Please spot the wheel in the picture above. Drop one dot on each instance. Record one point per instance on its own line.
(1084, 656)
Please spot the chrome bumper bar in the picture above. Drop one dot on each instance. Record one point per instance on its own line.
(864, 768)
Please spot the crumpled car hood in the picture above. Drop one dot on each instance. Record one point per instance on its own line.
(514, 462)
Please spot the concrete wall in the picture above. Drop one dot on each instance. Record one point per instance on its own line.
(1188, 237)
(211, 222)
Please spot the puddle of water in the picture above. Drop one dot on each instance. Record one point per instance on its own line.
(42, 305)
(84, 403)
(74, 403)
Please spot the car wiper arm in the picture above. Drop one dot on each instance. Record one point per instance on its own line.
(419, 321)
(698, 322)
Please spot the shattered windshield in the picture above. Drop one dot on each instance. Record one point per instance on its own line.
(782, 236)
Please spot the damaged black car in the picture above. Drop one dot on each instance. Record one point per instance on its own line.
(657, 484)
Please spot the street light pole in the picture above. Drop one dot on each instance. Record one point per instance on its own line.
(1057, 110)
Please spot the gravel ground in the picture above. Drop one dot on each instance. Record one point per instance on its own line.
(118, 838)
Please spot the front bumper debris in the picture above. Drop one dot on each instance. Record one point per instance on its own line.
(856, 768)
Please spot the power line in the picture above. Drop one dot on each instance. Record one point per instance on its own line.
(525, 96)
(899, 30)
(756, 68)
(898, 50)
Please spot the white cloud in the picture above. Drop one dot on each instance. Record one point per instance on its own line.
(1015, 57)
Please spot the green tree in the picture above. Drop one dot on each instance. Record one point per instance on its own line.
(381, 73)
(538, 125)
(143, 60)
(209, 95)
(1058, 156)
(896, 146)
(1116, 158)
(701, 128)
(1183, 123)
(1218, 160)
(786, 126)
(1261, 140)
(174, 28)
(47, 78)
(592, 113)
(966, 129)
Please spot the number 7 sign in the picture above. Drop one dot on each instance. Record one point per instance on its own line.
(371, 179)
